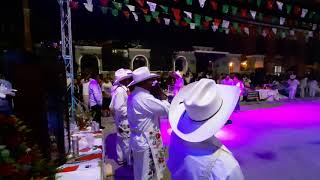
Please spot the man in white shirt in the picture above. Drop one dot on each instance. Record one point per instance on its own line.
(85, 92)
(196, 114)
(144, 112)
(293, 85)
(119, 110)
(95, 100)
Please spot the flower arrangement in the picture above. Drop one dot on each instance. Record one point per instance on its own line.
(20, 158)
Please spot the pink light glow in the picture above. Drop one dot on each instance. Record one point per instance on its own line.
(247, 124)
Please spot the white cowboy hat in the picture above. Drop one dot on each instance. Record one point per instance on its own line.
(141, 74)
(122, 74)
(293, 76)
(201, 109)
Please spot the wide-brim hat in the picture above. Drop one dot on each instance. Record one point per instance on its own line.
(201, 109)
(141, 74)
(122, 74)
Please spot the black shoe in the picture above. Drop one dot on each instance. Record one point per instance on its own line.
(228, 122)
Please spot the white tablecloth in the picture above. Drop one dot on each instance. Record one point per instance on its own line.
(269, 94)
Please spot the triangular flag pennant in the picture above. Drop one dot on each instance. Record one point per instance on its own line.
(253, 14)
(136, 18)
(208, 18)
(283, 35)
(246, 30)
(115, 12)
(176, 13)
(244, 13)
(264, 33)
(140, 2)
(282, 20)
(280, 5)
(304, 12)
(147, 18)
(192, 25)
(189, 2)
(260, 16)
(176, 22)
(155, 14)
(314, 27)
(126, 1)
(220, 30)
(274, 30)
(310, 34)
(126, 14)
(234, 10)
(88, 5)
(225, 8)
(225, 24)
(117, 5)
(165, 9)
(274, 20)
(197, 19)
(292, 32)
(131, 8)
(189, 14)
(288, 7)
(227, 31)
(158, 20)
(152, 6)
(187, 20)
(258, 3)
(270, 4)
(104, 2)
(217, 22)
(166, 21)
(214, 28)
(104, 10)
(202, 2)
(145, 10)
(235, 25)
(297, 10)
(311, 14)
(74, 5)
(214, 5)
(206, 25)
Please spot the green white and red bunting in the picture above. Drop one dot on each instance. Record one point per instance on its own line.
(150, 11)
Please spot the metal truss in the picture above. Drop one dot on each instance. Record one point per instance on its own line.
(67, 54)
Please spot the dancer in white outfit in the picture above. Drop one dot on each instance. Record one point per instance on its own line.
(118, 106)
(303, 87)
(313, 88)
(293, 84)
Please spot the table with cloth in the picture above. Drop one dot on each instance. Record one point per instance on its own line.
(89, 164)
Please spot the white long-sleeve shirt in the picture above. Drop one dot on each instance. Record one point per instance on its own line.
(204, 160)
(144, 112)
(119, 104)
(95, 93)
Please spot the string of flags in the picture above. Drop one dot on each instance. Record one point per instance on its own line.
(173, 16)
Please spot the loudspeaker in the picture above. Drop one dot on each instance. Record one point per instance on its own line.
(41, 100)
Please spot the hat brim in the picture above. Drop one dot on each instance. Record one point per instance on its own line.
(195, 131)
(122, 78)
(143, 79)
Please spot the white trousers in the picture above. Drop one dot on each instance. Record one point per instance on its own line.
(86, 101)
(143, 166)
(292, 92)
(123, 150)
(313, 91)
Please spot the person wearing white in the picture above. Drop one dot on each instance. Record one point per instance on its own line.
(313, 88)
(293, 84)
(119, 111)
(303, 86)
(85, 93)
(144, 112)
(95, 100)
(196, 114)
(227, 81)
